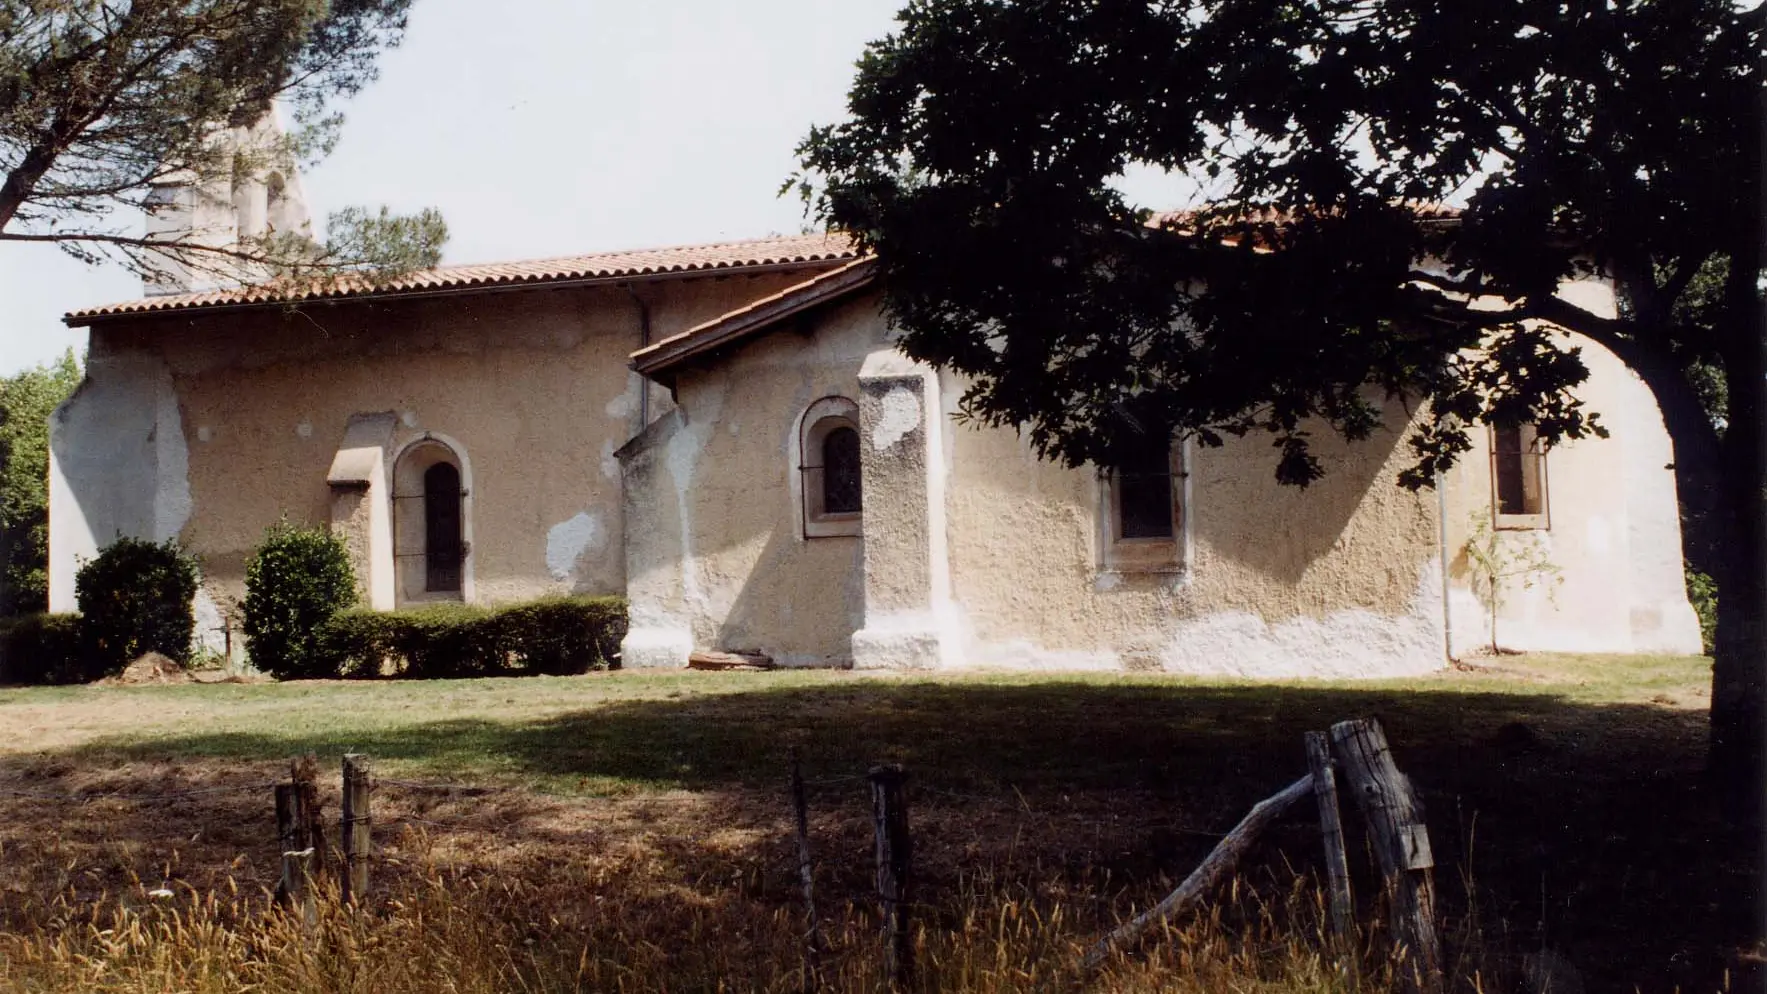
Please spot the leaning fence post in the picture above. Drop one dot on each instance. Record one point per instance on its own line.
(1401, 843)
(806, 875)
(1337, 868)
(894, 865)
(357, 826)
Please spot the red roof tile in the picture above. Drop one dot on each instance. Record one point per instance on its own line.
(781, 252)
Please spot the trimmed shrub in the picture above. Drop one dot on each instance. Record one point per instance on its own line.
(557, 636)
(42, 648)
(135, 598)
(446, 641)
(296, 579)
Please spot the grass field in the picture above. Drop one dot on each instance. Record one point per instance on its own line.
(1563, 797)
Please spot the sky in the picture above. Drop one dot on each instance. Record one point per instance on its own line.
(549, 127)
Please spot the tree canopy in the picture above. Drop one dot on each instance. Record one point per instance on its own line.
(102, 99)
(26, 401)
(1396, 191)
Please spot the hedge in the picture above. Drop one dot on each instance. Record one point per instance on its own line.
(556, 635)
(44, 648)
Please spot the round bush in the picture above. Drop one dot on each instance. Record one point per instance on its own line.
(135, 598)
(294, 582)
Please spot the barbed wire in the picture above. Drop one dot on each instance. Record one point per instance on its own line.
(87, 797)
(439, 786)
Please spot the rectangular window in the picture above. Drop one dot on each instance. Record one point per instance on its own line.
(1144, 497)
(1143, 514)
(1518, 477)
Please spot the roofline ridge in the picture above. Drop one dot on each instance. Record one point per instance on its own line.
(614, 253)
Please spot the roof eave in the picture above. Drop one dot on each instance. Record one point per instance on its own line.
(85, 320)
(662, 361)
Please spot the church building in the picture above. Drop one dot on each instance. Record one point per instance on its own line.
(726, 435)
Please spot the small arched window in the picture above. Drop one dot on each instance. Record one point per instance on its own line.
(431, 525)
(276, 203)
(829, 464)
(442, 538)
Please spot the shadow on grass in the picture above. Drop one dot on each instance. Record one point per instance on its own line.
(1585, 831)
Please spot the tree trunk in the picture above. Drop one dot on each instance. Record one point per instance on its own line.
(1739, 670)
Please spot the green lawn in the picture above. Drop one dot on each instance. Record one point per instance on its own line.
(624, 731)
(1586, 831)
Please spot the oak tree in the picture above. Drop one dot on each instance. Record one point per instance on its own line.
(1377, 173)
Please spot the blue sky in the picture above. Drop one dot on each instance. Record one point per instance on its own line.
(549, 127)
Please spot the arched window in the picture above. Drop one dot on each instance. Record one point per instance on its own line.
(276, 203)
(431, 523)
(829, 466)
(442, 539)
(840, 471)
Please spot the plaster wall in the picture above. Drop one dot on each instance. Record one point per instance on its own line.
(1614, 530)
(118, 463)
(1338, 580)
(235, 419)
(716, 553)
(1342, 580)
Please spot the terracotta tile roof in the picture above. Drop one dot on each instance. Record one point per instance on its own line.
(1426, 211)
(659, 360)
(781, 252)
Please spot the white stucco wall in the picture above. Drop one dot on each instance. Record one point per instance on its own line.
(118, 464)
(1614, 531)
(1002, 567)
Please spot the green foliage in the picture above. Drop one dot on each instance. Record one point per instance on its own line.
(563, 635)
(295, 580)
(26, 401)
(135, 597)
(987, 143)
(558, 636)
(992, 147)
(159, 83)
(1702, 593)
(1497, 559)
(42, 648)
(385, 244)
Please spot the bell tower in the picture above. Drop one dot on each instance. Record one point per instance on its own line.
(255, 194)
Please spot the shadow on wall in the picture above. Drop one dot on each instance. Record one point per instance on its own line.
(1592, 834)
(1244, 515)
(806, 594)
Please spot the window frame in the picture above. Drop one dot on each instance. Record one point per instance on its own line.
(1531, 450)
(1158, 554)
(433, 501)
(820, 420)
(409, 523)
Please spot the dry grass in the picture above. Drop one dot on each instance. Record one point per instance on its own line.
(641, 841)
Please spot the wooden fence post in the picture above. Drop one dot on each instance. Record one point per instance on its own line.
(1401, 843)
(894, 870)
(806, 875)
(1337, 868)
(294, 888)
(357, 827)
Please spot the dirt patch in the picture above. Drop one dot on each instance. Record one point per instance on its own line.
(150, 668)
